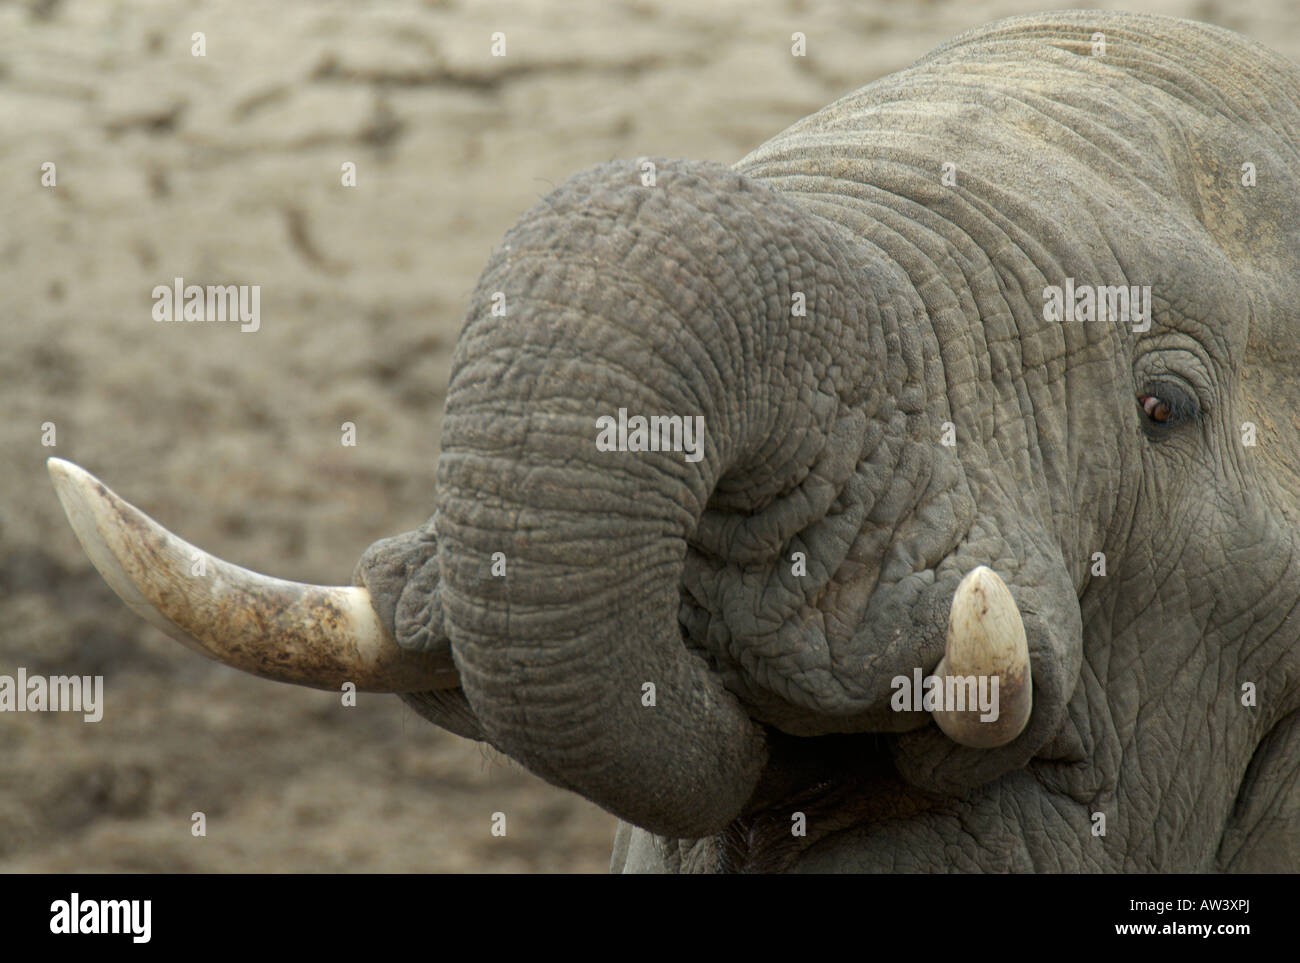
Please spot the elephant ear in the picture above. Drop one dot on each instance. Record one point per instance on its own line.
(1258, 229)
(1263, 832)
(1268, 382)
(1239, 183)
(1271, 409)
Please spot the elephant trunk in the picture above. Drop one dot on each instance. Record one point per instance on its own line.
(571, 654)
(615, 374)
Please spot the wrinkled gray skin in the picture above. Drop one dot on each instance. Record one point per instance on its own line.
(924, 306)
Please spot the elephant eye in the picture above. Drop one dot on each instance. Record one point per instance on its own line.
(1167, 405)
(1157, 410)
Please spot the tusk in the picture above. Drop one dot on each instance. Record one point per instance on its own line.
(986, 637)
(314, 635)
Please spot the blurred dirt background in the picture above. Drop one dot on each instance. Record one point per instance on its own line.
(226, 169)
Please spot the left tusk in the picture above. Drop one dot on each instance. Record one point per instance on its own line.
(986, 637)
(314, 635)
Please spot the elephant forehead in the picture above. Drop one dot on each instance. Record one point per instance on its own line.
(1035, 170)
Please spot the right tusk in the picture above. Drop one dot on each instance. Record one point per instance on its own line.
(986, 637)
(313, 635)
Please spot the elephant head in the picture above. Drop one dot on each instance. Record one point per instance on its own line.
(980, 372)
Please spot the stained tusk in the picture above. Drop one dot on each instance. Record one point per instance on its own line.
(313, 635)
(986, 638)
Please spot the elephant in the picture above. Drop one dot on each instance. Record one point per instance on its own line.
(966, 376)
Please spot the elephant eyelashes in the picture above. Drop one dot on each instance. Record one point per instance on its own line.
(1170, 407)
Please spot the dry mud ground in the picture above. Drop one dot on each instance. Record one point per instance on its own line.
(226, 169)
